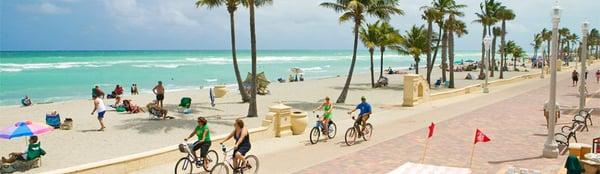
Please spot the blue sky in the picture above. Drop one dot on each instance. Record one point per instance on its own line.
(287, 24)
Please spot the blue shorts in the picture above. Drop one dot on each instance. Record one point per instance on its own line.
(101, 115)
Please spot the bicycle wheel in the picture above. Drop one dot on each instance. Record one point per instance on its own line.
(314, 135)
(350, 137)
(220, 168)
(213, 159)
(332, 130)
(184, 165)
(251, 165)
(368, 132)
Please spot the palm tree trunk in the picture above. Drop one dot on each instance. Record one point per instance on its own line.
(417, 64)
(493, 63)
(503, 50)
(451, 57)
(252, 110)
(344, 93)
(428, 50)
(444, 54)
(371, 51)
(481, 75)
(382, 49)
(437, 46)
(236, 69)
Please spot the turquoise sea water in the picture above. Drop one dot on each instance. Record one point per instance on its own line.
(48, 76)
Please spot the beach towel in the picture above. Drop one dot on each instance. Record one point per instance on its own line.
(211, 97)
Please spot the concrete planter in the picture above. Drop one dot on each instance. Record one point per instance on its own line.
(220, 91)
(299, 122)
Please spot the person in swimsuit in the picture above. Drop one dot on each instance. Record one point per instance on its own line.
(159, 91)
(101, 109)
(242, 142)
(203, 143)
(327, 106)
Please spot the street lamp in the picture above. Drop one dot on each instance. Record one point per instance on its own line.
(487, 41)
(583, 58)
(550, 146)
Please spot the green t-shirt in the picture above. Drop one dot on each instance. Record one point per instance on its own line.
(34, 150)
(200, 131)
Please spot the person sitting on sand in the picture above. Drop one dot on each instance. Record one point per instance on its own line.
(390, 70)
(301, 77)
(118, 102)
(26, 101)
(131, 107)
(98, 92)
(33, 151)
(154, 107)
(291, 78)
(118, 90)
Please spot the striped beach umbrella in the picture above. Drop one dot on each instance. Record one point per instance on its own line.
(24, 128)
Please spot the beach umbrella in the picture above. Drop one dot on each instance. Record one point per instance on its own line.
(296, 70)
(24, 128)
(211, 96)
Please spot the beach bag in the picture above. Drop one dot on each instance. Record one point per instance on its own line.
(67, 125)
(120, 109)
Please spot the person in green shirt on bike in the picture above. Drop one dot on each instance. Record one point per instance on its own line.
(33, 151)
(327, 107)
(203, 143)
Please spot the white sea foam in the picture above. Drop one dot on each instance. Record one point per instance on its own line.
(10, 69)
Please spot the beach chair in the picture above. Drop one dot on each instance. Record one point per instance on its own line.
(53, 120)
(21, 166)
(438, 83)
(184, 105)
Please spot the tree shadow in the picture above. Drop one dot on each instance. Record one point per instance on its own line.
(367, 87)
(147, 126)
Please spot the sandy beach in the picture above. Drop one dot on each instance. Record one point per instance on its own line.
(133, 133)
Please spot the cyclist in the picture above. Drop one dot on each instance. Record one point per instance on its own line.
(327, 106)
(203, 143)
(242, 142)
(363, 116)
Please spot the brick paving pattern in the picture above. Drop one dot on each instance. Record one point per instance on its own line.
(516, 126)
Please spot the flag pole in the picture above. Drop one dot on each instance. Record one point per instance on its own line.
(472, 151)
(425, 151)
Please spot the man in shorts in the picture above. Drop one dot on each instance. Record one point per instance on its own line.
(159, 91)
(363, 116)
(101, 109)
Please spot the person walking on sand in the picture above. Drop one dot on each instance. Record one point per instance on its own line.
(101, 109)
(598, 76)
(575, 77)
(159, 91)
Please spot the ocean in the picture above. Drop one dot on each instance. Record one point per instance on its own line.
(50, 76)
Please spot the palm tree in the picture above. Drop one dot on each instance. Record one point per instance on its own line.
(252, 110)
(497, 31)
(414, 43)
(504, 14)
(562, 33)
(369, 35)
(510, 47)
(487, 18)
(389, 36)
(537, 43)
(430, 15)
(444, 53)
(459, 28)
(517, 53)
(594, 40)
(442, 8)
(547, 36)
(231, 8)
(355, 10)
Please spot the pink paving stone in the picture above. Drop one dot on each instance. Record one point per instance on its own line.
(515, 125)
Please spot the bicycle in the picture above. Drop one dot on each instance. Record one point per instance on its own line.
(186, 164)
(315, 133)
(251, 164)
(352, 132)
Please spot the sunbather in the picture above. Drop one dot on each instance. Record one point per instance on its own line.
(33, 151)
(131, 107)
(155, 108)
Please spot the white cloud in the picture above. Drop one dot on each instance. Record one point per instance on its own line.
(44, 8)
(148, 15)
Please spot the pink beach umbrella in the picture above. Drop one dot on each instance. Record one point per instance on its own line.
(24, 128)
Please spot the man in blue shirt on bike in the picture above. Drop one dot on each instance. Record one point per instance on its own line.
(363, 116)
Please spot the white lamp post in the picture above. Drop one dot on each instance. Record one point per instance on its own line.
(487, 41)
(550, 147)
(583, 58)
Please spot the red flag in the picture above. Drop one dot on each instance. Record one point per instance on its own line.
(431, 128)
(480, 137)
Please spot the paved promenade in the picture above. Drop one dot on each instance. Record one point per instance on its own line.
(514, 125)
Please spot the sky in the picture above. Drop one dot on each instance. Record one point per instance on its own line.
(287, 24)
